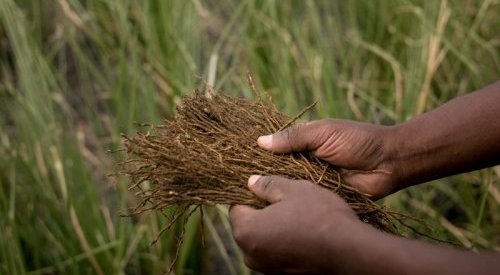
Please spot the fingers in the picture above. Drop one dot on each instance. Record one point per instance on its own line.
(269, 188)
(240, 217)
(238, 211)
(238, 214)
(300, 137)
(371, 185)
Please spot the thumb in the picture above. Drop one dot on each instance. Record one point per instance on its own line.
(270, 188)
(300, 137)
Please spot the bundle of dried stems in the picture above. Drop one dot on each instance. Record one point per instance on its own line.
(205, 155)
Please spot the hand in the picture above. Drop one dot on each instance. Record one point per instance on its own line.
(308, 229)
(360, 147)
(305, 229)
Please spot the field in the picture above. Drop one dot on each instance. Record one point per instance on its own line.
(74, 74)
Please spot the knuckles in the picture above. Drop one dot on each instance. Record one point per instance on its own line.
(278, 187)
(292, 135)
(274, 187)
(264, 183)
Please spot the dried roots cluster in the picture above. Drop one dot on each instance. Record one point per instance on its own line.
(205, 155)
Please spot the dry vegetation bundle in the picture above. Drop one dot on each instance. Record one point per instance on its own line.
(205, 155)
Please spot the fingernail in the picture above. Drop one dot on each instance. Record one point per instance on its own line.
(253, 179)
(265, 141)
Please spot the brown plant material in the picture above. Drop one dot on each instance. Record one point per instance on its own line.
(205, 155)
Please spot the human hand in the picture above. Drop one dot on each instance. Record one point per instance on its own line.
(361, 149)
(305, 229)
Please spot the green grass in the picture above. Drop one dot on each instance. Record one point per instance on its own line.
(75, 74)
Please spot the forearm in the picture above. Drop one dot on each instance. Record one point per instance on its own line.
(396, 255)
(460, 136)
(374, 252)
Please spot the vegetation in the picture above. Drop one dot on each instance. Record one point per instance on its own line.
(75, 74)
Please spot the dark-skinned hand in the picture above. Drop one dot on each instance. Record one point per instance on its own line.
(309, 230)
(360, 148)
(303, 224)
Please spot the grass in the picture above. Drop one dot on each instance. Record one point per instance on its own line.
(74, 74)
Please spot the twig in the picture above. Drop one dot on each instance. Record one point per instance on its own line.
(298, 116)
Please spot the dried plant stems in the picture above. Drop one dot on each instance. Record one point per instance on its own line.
(205, 155)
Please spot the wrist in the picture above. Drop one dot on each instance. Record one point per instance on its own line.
(414, 154)
(391, 160)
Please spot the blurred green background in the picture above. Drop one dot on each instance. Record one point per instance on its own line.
(74, 74)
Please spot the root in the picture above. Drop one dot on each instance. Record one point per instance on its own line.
(205, 155)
